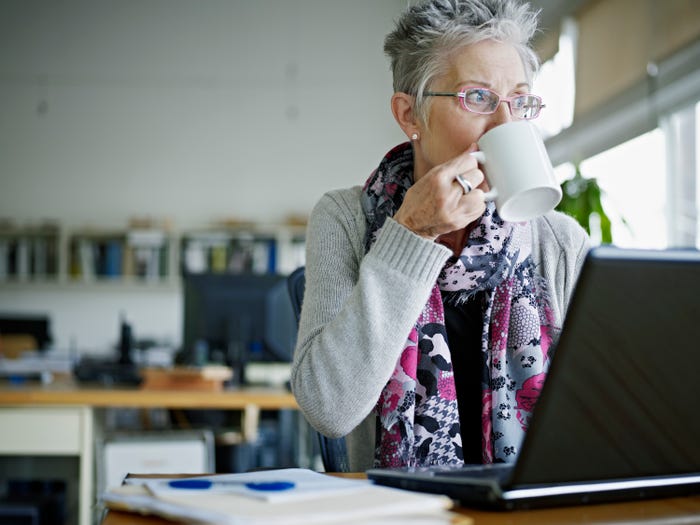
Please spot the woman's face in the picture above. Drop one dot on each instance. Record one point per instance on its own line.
(450, 128)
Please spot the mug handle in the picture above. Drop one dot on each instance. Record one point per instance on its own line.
(481, 159)
(490, 195)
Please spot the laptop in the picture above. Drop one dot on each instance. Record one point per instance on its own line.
(619, 414)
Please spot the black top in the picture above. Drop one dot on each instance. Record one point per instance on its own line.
(464, 324)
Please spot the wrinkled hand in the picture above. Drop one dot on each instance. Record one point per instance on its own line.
(436, 204)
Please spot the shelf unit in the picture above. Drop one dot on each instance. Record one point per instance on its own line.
(137, 254)
(144, 256)
(250, 249)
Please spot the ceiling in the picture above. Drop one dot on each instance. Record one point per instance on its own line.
(552, 11)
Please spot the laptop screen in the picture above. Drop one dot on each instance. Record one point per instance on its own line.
(621, 399)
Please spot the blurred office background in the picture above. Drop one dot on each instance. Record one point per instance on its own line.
(182, 116)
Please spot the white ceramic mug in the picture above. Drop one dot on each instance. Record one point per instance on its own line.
(518, 171)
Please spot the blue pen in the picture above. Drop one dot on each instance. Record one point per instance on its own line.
(204, 484)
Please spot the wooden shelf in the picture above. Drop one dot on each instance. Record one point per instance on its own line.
(141, 257)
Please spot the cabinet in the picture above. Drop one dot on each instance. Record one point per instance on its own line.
(63, 419)
(53, 431)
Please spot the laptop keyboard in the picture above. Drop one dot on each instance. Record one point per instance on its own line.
(499, 471)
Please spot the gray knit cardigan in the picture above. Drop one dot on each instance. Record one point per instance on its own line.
(359, 307)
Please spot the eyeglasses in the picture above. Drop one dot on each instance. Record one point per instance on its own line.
(485, 102)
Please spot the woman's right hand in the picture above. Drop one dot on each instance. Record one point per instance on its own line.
(436, 203)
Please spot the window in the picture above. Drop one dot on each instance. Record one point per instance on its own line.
(555, 83)
(632, 177)
(651, 181)
(697, 170)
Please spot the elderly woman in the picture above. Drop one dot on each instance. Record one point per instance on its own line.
(427, 319)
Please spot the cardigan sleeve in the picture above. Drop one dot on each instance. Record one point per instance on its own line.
(357, 312)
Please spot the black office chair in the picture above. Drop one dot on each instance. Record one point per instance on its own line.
(334, 452)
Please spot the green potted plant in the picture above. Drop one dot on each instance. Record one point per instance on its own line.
(581, 199)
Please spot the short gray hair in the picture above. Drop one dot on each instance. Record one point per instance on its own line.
(425, 36)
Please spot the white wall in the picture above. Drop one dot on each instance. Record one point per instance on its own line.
(181, 109)
(86, 318)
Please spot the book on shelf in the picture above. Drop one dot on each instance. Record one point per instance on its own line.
(87, 259)
(148, 251)
(52, 256)
(4, 259)
(39, 257)
(291, 255)
(264, 256)
(147, 262)
(194, 258)
(113, 259)
(23, 258)
(218, 258)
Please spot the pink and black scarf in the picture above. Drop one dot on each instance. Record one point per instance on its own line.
(418, 419)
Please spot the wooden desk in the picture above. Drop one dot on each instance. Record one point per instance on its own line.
(670, 511)
(68, 392)
(59, 419)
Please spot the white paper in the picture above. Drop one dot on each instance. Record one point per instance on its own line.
(322, 499)
(307, 484)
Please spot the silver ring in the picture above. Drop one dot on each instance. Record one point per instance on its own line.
(464, 183)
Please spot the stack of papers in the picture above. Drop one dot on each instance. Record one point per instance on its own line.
(279, 497)
(36, 365)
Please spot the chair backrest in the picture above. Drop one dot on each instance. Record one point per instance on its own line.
(295, 284)
(334, 452)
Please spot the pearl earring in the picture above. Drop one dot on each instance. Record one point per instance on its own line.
(414, 136)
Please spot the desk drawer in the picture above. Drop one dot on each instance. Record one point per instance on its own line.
(42, 431)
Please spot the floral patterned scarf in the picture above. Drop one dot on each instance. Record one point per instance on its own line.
(417, 410)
